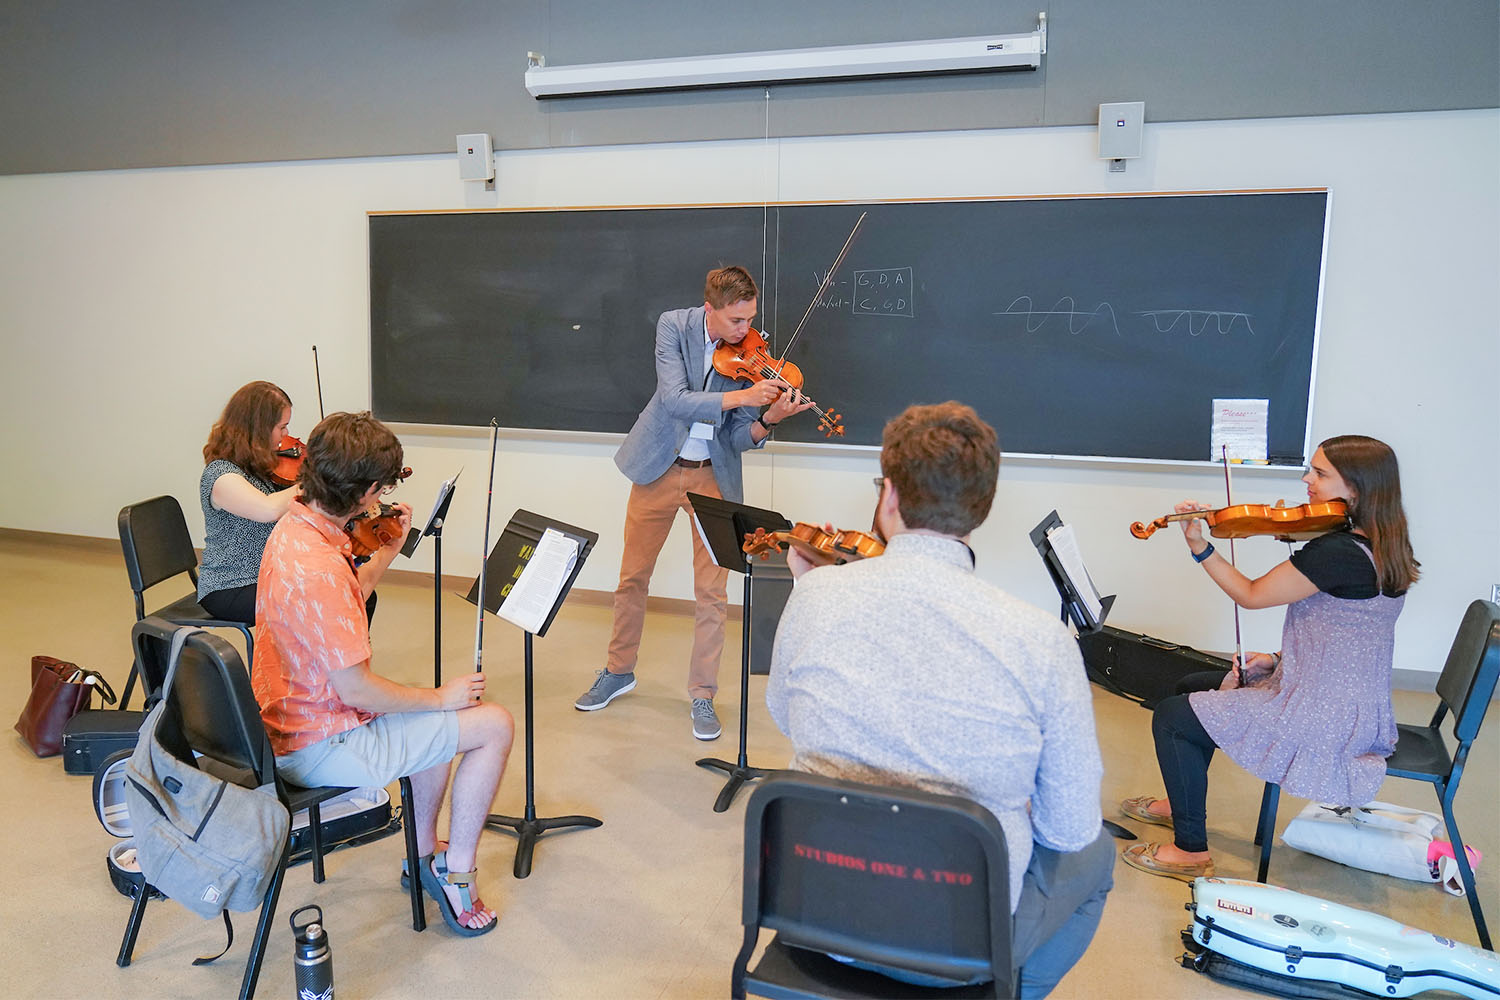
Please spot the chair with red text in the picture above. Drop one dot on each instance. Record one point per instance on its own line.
(910, 883)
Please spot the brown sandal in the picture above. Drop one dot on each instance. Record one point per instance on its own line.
(1143, 857)
(1139, 808)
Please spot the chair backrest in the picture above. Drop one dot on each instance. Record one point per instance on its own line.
(211, 707)
(896, 877)
(154, 537)
(1467, 682)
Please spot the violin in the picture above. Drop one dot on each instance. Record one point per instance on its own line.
(749, 360)
(823, 548)
(373, 529)
(1286, 524)
(288, 460)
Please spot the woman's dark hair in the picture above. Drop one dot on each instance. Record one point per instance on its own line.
(1369, 466)
(346, 454)
(945, 464)
(243, 433)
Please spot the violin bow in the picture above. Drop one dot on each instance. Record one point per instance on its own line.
(822, 288)
(484, 552)
(318, 378)
(1239, 649)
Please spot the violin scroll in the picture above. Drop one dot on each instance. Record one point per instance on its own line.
(1148, 529)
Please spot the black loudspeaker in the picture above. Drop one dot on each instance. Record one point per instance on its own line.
(770, 586)
(1140, 667)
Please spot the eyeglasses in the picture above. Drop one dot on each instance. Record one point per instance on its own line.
(879, 485)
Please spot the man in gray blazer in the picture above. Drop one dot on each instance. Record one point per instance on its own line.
(688, 439)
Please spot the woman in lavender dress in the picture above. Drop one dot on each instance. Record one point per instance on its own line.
(1316, 717)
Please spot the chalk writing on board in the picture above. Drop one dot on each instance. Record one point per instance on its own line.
(1197, 320)
(887, 291)
(1078, 319)
(838, 296)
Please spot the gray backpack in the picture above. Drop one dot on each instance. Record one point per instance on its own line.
(208, 843)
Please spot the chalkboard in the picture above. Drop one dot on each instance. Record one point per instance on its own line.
(1099, 326)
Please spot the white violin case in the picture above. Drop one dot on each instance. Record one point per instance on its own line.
(1288, 944)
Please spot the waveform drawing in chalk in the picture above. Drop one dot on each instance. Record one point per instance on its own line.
(1197, 321)
(1078, 319)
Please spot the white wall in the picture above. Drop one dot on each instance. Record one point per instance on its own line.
(133, 303)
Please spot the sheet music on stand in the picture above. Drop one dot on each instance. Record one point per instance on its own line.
(1058, 546)
(518, 547)
(1065, 545)
(439, 512)
(547, 572)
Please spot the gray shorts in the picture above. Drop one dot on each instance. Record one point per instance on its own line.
(379, 752)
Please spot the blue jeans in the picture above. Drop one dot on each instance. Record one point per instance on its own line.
(1062, 899)
(1183, 751)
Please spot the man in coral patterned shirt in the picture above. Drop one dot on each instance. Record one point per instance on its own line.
(330, 718)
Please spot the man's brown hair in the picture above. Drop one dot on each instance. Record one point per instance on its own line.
(346, 454)
(728, 285)
(243, 432)
(944, 463)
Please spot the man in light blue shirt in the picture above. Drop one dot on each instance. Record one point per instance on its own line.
(909, 670)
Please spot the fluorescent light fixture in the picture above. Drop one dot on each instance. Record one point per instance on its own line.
(979, 53)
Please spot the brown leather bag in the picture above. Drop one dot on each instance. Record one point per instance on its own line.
(59, 691)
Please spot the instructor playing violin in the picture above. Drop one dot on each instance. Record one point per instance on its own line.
(689, 438)
(1316, 717)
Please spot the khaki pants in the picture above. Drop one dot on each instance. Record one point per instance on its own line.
(648, 520)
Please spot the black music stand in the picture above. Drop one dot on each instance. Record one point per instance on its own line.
(435, 529)
(1074, 609)
(506, 560)
(724, 526)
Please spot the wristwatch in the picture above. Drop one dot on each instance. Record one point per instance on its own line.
(762, 422)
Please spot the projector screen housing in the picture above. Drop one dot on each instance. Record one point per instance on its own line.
(978, 53)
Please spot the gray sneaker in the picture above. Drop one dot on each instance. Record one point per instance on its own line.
(607, 687)
(705, 720)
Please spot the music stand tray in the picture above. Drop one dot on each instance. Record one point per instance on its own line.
(723, 526)
(506, 560)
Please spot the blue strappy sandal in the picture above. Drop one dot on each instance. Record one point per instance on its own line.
(434, 883)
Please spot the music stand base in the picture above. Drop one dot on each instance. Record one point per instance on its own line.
(528, 830)
(738, 775)
(1117, 831)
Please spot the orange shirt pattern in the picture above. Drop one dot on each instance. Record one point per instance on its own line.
(310, 621)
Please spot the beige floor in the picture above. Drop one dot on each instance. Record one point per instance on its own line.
(646, 906)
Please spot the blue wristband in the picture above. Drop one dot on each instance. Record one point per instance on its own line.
(1208, 550)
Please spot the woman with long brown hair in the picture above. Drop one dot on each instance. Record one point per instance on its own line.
(240, 501)
(1315, 717)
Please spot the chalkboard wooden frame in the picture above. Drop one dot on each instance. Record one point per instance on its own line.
(1091, 326)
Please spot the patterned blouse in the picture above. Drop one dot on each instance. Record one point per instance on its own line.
(231, 544)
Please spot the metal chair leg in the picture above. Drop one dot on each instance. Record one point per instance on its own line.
(1265, 830)
(315, 832)
(409, 826)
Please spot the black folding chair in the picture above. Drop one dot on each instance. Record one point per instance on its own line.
(157, 547)
(212, 712)
(1465, 688)
(901, 879)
